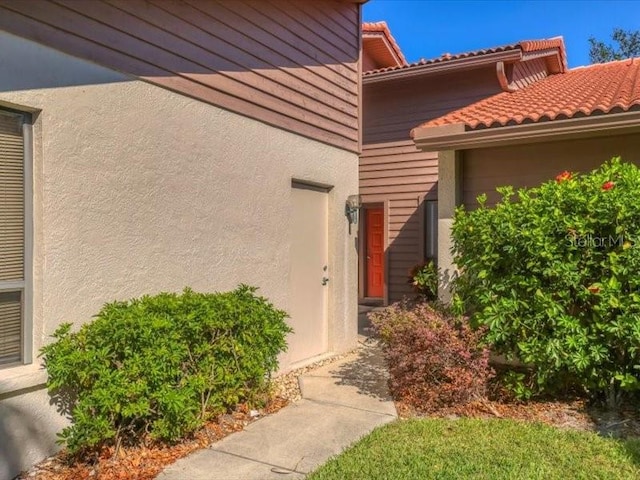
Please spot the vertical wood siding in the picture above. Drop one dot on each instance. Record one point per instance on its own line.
(290, 64)
(392, 169)
(529, 165)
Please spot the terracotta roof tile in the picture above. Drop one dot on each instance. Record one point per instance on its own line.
(597, 89)
(525, 46)
(382, 27)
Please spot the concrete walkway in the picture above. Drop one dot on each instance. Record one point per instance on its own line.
(341, 403)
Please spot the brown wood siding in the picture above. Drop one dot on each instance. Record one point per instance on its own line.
(529, 165)
(393, 108)
(393, 170)
(526, 73)
(288, 64)
(403, 176)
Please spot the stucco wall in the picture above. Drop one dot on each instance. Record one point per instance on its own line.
(138, 190)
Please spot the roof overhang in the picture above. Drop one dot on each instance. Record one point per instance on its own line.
(385, 53)
(447, 66)
(457, 137)
(552, 56)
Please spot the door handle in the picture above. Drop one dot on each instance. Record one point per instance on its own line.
(325, 280)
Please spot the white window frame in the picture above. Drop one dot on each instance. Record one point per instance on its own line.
(25, 286)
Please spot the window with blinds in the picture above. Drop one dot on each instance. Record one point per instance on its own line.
(12, 238)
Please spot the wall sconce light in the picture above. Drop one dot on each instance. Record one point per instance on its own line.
(351, 209)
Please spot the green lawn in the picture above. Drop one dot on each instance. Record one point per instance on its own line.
(483, 449)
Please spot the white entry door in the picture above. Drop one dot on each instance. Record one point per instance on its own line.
(309, 272)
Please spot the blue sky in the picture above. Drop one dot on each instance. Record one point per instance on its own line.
(426, 28)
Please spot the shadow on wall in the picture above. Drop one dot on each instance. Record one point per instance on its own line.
(406, 247)
(198, 43)
(25, 59)
(21, 438)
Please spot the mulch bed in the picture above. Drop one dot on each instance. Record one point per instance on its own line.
(147, 461)
(573, 413)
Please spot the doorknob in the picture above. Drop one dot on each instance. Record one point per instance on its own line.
(325, 280)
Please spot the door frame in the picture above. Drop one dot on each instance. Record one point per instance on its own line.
(362, 249)
(328, 300)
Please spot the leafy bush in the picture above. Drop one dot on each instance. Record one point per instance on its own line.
(555, 277)
(434, 360)
(424, 278)
(161, 365)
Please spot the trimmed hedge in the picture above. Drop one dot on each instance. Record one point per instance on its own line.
(160, 366)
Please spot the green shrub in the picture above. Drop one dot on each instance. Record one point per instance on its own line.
(555, 277)
(161, 365)
(434, 359)
(424, 278)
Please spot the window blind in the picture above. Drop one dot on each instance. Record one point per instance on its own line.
(12, 236)
(10, 327)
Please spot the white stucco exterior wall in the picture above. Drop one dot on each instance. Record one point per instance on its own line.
(138, 190)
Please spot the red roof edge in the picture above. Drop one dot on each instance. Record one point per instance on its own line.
(545, 44)
(526, 46)
(600, 90)
(383, 28)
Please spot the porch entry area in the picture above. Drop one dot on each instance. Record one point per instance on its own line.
(309, 274)
(395, 237)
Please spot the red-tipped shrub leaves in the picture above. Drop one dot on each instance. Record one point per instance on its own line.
(434, 360)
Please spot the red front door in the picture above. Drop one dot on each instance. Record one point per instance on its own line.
(374, 224)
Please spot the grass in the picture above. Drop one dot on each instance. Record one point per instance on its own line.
(482, 449)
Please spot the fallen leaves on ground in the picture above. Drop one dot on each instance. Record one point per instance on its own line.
(147, 461)
(573, 413)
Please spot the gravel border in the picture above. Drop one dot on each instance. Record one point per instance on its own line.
(287, 385)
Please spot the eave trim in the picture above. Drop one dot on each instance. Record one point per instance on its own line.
(444, 66)
(392, 52)
(454, 137)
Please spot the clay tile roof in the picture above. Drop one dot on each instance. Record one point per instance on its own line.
(525, 46)
(382, 28)
(546, 44)
(603, 88)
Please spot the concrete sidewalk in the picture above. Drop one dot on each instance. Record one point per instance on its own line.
(342, 402)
